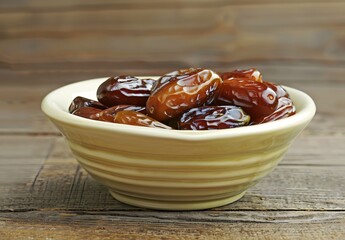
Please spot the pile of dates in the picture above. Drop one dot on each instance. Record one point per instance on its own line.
(188, 99)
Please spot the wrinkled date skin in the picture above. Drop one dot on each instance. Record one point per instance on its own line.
(213, 117)
(255, 98)
(248, 74)
(280, 91)
(138, 119)
(285, 108)
(181, 90)
(263, 101)
(88, 112)
(108, 115)
(124, 90)
(188, 99)
(79, 102)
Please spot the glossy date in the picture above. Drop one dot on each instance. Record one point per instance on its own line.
(247, 74)
(88, 112)
(188, 99)
(255, 98)
(284, 109)
(124, 90)
(138, 119)
(79, 102)
(108, 115)
(178, 91)
(263, 101)
(213, 117)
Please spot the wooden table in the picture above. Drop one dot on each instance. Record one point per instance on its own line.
(44, 194)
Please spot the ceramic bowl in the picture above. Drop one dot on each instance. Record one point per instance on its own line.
(174, 169)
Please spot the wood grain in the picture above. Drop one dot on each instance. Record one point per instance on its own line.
(173, 225)
(41, 4)
(285, 72)
(161, 37)
(21, 158)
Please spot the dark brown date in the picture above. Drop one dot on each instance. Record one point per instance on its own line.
(88, 112)
(285, 108)
(257, 99)
(79, 102)
(138, 119)
(178, 91)
(249, 74)
(213, 117)
(124, 90)
(193, 98)
(280, 91)
(109, 114)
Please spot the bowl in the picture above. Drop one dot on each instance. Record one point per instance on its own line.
(174, 169)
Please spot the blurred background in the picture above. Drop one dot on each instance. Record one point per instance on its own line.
(70, 40)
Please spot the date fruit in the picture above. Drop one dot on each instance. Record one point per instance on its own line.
(109, 114)
(257, 99)
(88, 112)
(249, 74)
(79, 102)
(178, 91)
(124, 90)
(279, 90)
(285, 108)
(138, 119)
(213, 117)
(263, 101)
(193, 98)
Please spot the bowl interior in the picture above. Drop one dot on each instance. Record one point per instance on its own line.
(56, 104)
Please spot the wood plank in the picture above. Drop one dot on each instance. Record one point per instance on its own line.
(173, 225)
(302, 184)
(329, 118)
(13, 148)
(280, 71)
(126, 19)
(299, 73)
(17, 5)
(316, 150)
(236, 33)
(22, 157)
(22, 112)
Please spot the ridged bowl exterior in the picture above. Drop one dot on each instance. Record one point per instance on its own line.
(171, 169)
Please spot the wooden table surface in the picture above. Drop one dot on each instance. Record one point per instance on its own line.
(44, 194)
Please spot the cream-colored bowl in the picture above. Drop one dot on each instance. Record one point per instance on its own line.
(174, 169)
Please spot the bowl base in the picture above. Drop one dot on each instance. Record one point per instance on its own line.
(174, 205)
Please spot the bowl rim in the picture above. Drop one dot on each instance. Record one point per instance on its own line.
(53, 111)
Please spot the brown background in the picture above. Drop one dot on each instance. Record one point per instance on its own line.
(62, 41)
